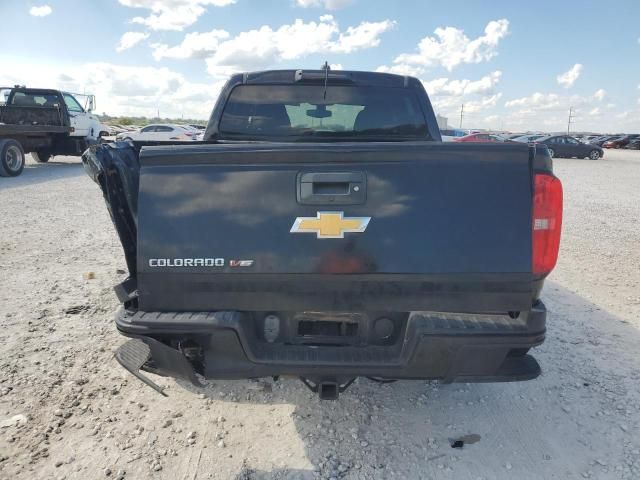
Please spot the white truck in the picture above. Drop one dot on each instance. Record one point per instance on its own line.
(45, 123)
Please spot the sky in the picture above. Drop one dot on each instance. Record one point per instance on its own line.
(514, 65)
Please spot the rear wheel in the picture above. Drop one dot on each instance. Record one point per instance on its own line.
(594, 154)
(552, 152)
(11, 158)
(41, 156)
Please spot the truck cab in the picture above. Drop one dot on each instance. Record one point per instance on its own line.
(82, 119)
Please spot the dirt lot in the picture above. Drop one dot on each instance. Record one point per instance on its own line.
(68, 411)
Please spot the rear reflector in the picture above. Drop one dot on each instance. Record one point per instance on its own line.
(547, 222)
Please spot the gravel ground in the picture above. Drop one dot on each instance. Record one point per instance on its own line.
(68, 411)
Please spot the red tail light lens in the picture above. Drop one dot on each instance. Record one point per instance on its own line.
(547, 222)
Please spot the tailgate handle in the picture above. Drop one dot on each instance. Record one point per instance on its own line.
(332, 188)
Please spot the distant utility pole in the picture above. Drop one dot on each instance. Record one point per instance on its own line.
(570, 121)
(461, 114)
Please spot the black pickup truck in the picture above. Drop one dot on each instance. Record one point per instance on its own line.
(323, 230)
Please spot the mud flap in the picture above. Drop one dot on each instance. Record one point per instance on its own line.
(136, 353)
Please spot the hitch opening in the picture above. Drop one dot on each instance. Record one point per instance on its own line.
(327, 388)
(328, 391)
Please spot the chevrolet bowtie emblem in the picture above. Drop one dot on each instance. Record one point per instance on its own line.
(330, 224)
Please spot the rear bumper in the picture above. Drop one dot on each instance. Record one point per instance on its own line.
(447, 347)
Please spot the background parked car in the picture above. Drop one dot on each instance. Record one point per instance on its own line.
(566, 146)
(115, 130)
(160, 132)
(198, 131)
(600, 140)
(529, 137)
(483, 138)
(618, 142)
(634, 144)
(451, 134)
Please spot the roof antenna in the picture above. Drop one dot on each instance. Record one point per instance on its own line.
(326, 69)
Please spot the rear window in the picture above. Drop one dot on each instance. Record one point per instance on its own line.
(35, 100)
(299, 111)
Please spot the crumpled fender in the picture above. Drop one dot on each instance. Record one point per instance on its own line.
(116, 169)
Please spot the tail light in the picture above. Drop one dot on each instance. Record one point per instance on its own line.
(547, 222)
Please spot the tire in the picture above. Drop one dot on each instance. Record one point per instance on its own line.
(552, 152)
(41, 156)
(594, 155)
(11, 158)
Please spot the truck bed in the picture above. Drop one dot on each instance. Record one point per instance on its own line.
(33, 116)
(17, 130)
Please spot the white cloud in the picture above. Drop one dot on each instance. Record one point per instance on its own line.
(483, 104)
(336, 66)
(41, 11)
(450, 47)
(129, 39)
(449, 106)
(365, 35)
(540, 101)
(445, 87)
(194, 45)
(327, 4)
(125, 90)
(266, 47)
(401, 69)
(568, 78)
(172, 14)
(550, 101)
(600, 94)
(548, 111)
(478, 96)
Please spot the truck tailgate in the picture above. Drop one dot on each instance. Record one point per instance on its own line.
(340, 227)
